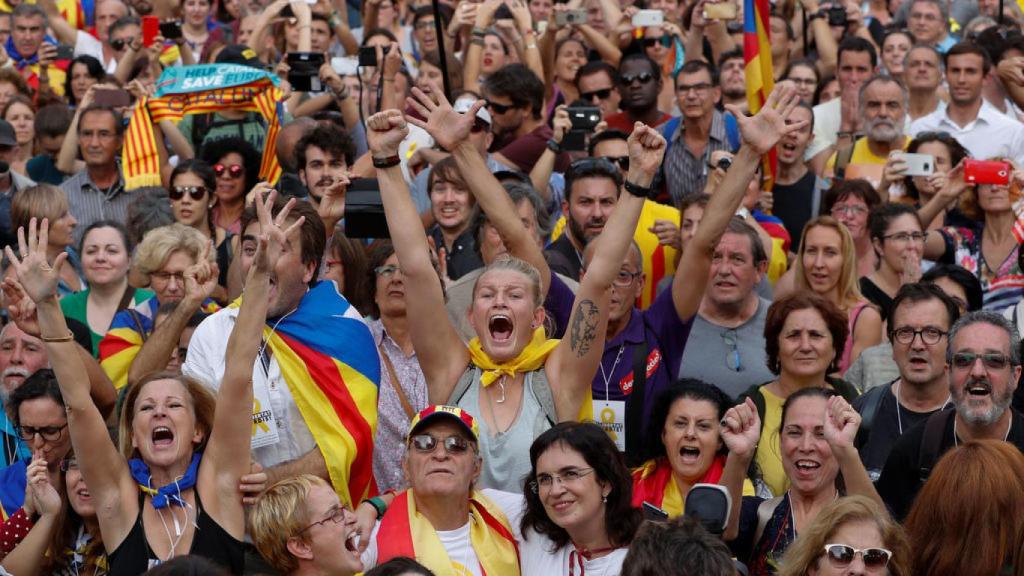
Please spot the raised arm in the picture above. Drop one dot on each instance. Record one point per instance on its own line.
(451, 130)
(64, 32)
(759, 135)
(934, 244)
(105, 470)
(572, 365)
(841, 425)
(27, 557)
(741, 431)
(442, 355)
(474, 52)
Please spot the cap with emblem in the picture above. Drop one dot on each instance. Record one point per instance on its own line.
(438, 411)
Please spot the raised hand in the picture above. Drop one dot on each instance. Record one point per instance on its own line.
(667, 233)
(392, 60)
(385, 131)
(448, 127)
(273, 233)
(37, 277)
(21, 308)
(841, 423)
(762, 131)
(331, 206)
(521, 15)
(741, 429)
(485, 12)
(646, 149)
(561, 124)
(45, 499)
(911, 267)
(895, 167)
(201, 277)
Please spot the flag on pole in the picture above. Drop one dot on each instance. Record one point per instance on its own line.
(757, 60)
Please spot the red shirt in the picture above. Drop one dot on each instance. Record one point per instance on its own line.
(624, 122)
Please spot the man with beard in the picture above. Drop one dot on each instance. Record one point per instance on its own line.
(837, 120)
(883, 112)
(20, 356)
(639, 81)
(596, 83)
(731, 79)
(922, 70)
(515, 101)
(921, 317)
(591, 191)
(323, 157)
(969, 118)
(983, 366)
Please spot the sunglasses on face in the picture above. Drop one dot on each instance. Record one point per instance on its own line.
(622, 161)
(628, 79)
(841, 555)
(194, 192)
(993, 361)
(665, 40)
(234, 171)
(426, 444)
(602, 94)
(499, 108)
(119, 43)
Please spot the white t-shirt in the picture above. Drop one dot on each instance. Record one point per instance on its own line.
(456, 542)
(536, 557)
(989, 135)
(87, 44)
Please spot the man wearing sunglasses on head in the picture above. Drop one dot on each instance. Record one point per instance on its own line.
(639, 83)
(983, 367)
(441, 520)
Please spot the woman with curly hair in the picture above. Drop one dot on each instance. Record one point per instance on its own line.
(236, 165)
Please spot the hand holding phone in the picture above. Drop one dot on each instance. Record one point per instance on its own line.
(987, 172)
(720, 10)
(113, 97)
(645, 18)
(150, 30)
(919, 164)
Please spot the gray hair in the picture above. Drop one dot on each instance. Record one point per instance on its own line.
(25, 10)
(932, 49)
(885, 78)
(943, 9)
(518, 192)
(992, 319)
(150, 209)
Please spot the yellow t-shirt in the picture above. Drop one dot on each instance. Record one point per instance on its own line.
(769, 453)
(777, 261)
(863, 163)
(659, 260)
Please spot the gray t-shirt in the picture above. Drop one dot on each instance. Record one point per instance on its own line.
(711, 356)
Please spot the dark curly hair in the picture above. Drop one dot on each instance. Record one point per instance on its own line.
(93, 67)
(213, 151)
(599, 452)
(835, 319)
(329, 138)
(685, 388)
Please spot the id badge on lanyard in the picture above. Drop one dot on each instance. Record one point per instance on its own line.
(264, 423)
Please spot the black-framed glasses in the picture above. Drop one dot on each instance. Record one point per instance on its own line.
(929, 335)
(665, 40)
(168, 276)
(622, 161)
(602, 94)
(426, 444)
(642, 77)
(234, 171)
(732, 358)
(424, 24)
(48, 433)
(904, 237)
(991, 361)
(568, 476)
(499, 108)
(336, 515)
(841, 555)
(699, 87)
(386, 271)
(625, 278)
(194, 192)
(69, 463)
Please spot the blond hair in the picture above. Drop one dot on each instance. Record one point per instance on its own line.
(849, 287)
(203, 404)
(516, 265)
(39, 201)
(160, 243)
(280, 513)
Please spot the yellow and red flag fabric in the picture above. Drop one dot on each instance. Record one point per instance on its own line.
(757, 60)
(201, 89)
(405, 532)
(331, 365)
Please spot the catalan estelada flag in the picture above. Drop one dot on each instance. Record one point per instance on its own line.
(653, 483)
(331, 365)
(201, 89)
(757, 59)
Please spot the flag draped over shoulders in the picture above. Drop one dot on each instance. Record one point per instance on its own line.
(332, 368)
(201, 89)
(757, 59)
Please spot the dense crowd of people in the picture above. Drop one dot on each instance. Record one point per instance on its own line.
(502, 287)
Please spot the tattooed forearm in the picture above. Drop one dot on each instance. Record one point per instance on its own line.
(584, 327)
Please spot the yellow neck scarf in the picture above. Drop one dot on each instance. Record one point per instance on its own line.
(531, 358)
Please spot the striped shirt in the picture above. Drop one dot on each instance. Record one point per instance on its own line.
(89, 203)
(686, 174)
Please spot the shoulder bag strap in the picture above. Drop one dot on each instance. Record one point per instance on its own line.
(396, 383)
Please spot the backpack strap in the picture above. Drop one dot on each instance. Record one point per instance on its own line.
(669, 128)
(869, 409)
(465, 381)
(931, 443)
(540, 387)
(765, 511)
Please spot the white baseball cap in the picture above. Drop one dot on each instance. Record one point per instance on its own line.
(463, 105)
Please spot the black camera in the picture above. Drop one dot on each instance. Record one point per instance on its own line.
(304, 71)
(368, 55)
(836, 16)
(584, 117)
(724, 163)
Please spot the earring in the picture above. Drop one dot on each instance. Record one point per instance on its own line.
(604, 499)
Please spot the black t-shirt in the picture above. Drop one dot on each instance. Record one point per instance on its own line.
(886, 428)
(792, 204)
(901, 477)
(563, 258)
(876, 296)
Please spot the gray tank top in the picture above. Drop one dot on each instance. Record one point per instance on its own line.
(506, 455)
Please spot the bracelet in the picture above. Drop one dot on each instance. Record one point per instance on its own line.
(387, 162)
(638, 190)
(65, 338)
(378, 504)
(478, 32)
(476, 40)
(554, 146)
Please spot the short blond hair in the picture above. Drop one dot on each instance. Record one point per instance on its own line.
(279, 513)
(160, 243)
(39, 201)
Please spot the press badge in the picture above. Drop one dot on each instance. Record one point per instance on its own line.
(611, 416)
(264, 424)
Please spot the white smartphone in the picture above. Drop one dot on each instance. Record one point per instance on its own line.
(645, 18)
(344, 66)
(919, 164)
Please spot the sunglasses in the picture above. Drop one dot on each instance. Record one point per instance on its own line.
(602, 94)
(426, 444)
(120, 43)
(628, 79)
(665, 40)
(622, 161)
(966, 360)
(841, 555)
(500, 108)
(194, 192)
(234, 171)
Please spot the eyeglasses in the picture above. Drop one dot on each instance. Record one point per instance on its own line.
(499, 108)
(665, 40)
(622, 161)
(386, 271)
(904, 237)
(48, 433)
(625, 279)
(698, 87)
(424, 25)
(991, 361)
(120, 43)
(602, 94)
(849, 210)
(336, 515)
(732, 359)
(168, 276)
(194, 192)
(841, 555)
(628, 79)
(929, 335)
(68, 464)
(426, 444)
(234, 171)
(570, 476)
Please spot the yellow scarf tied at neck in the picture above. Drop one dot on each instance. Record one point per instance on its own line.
(531, 358)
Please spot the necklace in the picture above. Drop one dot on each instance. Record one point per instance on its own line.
(501, 384)
(177, 530)
(899, 405)
(956, 440)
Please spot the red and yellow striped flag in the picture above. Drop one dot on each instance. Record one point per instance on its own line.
(757, 59)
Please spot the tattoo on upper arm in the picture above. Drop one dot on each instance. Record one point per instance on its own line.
(584, 327)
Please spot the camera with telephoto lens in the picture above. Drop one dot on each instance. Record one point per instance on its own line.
(836, 15)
